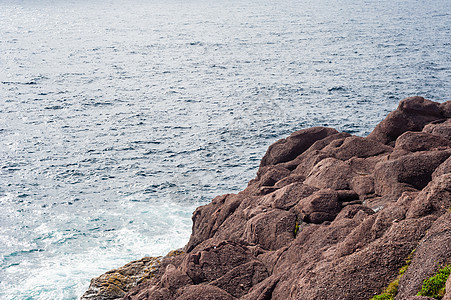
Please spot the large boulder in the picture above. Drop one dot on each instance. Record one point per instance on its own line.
(319, 207)
(287, 149)
(214, 261)
(411, 171)
(288, 196)
(114, 284)
(421, 141)
(440, 128)
(412, 115)
(271, 229)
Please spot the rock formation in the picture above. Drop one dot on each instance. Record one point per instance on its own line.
(329, 216)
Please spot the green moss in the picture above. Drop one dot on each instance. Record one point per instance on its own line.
(390, 292)
(174, 253)
(435, 286)
(296, 228)
(408, 261)
(383, 296)
(403, 270)
(392, 289)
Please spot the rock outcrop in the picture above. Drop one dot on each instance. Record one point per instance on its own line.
(329, 216)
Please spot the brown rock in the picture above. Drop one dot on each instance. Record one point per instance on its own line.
(241, 279)
(213, 262)
(330, 173)
(445, 108)
(288, 149)
(288, 196)
(448, 289)
(373, 266)
(434, 199)
(440, 128)
(272, 229)
(204, 292)
(419, 105)
(432, 251)
(289, 180)
(208, 218)
(116, 283)
(313, 155)
(412, 115)
(269, 175)
(263, 290)
(412, 171)
(308, 160)
(443, 169)
(357, 147)
(421, 141)
(319, 207)
(419, 298)
(144, 292)
(173, 278)
(362, 184)
(329, 216)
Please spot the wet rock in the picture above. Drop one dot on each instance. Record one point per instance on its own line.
(116, 283)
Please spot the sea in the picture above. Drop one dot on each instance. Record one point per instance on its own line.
(119, 117)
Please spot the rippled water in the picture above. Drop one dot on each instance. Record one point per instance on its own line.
(118, 118)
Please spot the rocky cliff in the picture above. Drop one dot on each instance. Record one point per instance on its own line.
(329, 216)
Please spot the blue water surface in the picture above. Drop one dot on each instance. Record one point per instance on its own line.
(118, 118)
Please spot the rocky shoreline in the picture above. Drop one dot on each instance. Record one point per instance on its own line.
(329, 216)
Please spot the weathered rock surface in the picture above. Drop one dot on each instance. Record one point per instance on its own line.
(329, 216)
(115, 283)
(412, 115)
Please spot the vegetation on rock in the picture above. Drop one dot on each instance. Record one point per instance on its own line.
(392, 289)
(435, 286)
(296, 228)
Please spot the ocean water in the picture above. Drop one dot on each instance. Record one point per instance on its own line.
(118, 118)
